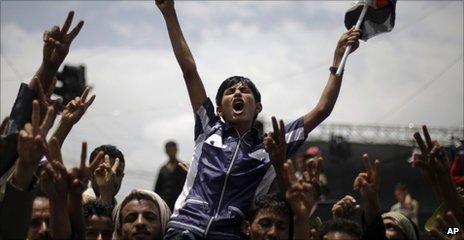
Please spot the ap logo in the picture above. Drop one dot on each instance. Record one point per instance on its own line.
(452, 231)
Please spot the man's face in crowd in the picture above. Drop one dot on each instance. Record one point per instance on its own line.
(119, 176)
(171, 151)
(400, 194)
(38, 228)
(269, 225)
(339, 236)
(141, 220)
(392, 230)
(238, 105)
(98, 227)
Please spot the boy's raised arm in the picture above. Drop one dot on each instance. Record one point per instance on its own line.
(183, 55)
(329, 96)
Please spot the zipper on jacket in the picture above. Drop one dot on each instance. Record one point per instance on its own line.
(225, 183)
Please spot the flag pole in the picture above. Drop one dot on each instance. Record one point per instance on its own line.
(348, 49)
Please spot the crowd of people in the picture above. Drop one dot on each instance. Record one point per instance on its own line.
(240, 183)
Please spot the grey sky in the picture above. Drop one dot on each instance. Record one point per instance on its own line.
(284, 47)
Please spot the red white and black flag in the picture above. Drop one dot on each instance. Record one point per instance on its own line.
(379, 17)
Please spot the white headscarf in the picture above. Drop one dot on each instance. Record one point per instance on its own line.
(404, 223)
(164, 210)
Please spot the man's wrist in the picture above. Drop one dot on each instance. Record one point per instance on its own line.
(106, 198)
(45, 73)
(168, 12)
(64, 128)
(23, 175)
(337, 57)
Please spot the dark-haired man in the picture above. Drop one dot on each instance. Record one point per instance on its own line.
(107, 178)
(340, 229)
(230, 166)
(171, 177)
(39, 226)
(98, 221)
(270, 217)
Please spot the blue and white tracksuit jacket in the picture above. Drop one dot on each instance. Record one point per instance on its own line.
(228, 171)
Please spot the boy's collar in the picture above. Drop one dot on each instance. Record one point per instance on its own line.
(251, 137)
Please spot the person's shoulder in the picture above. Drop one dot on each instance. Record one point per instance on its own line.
(395, 206)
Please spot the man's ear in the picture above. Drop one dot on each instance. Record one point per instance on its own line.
(245, 228)
(219, 111)
(259, 107)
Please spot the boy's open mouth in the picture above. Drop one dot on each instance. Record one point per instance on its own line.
(238, 106)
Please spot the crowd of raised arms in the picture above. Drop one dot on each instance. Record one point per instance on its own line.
(240, 184)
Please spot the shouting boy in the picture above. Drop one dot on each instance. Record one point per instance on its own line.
(230, 166)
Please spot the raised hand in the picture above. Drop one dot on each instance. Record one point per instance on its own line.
(349, 38)
(54, 177)
(368, 184)
(105, 178)
(57, 42)
(346, 207)
(33, 135)
(313, 167)
(434, 165)
(54, 181)
(301, 193)
(31, 140)
(432, 161)
(76, 108)
(165, 5)
(449, 222)
(44, 95)
(274, 143)
(79, 176)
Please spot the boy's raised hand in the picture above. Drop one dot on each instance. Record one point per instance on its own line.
(76, 108)
(79, 176)
(57, 42)
(432, 161)
(301, 193)
(274, 143)
(54, 177)
(349, 38)
(105, 177)
(34, 135)
(346, 207)
(368, 184)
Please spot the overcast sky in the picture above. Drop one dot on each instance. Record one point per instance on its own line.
(412, 75)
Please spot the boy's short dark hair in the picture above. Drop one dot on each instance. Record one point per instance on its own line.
(274, 203)
(109, 150)
(95, 207)
(229, 82)
(340, 225)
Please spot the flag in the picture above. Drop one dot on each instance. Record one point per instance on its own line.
(379, 18)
